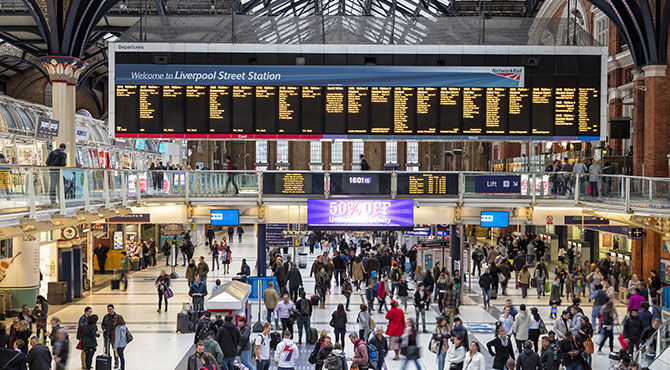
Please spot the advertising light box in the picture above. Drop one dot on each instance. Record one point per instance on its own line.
(382, 213)
(224, 217)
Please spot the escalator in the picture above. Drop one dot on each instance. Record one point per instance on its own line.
(654, 353)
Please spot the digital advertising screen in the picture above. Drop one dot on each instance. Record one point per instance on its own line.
(494, 219)
(224, 217)
(341, 213)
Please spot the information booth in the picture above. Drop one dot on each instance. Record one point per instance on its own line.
(231, 298)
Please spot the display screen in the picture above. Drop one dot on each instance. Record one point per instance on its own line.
(360, 213)
(293, 183)
(427, 184)
(494, 219)
(349, 101)
(360, 183)
(224, 217)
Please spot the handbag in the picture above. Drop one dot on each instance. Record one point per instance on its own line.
(372, 324)
(624, 345)
(79, 346)
(129, 336)
(533, 283)
(456, 366)
(168, 293)
(588, 346)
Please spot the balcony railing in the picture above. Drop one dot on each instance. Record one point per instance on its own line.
(32, 189)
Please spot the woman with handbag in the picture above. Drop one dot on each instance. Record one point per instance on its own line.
(456, 354)
(585, 333)
(121, 339)
(536, 327)
(363, 320)
(162, 285)
(474, 359)
(439, 343)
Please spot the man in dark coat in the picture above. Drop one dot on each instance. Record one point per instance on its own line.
(57, 158)
(632, 329)
(228, 337)
(282, 276)
(294, 282)
(100, 252)
(381, 344)
(528, 359)
(338, 265)
(39, 356)
(12, 360)
(210, 235)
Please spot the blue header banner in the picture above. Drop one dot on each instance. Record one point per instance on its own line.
(498, 184)
(255, 75)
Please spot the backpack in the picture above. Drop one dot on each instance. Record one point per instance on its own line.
(304, 307)
(373, 355)
(334, 363)
(253, 343)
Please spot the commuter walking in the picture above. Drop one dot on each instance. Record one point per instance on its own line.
(363, 320)
(486, 282)
(124, 269)
(608, 319)
(240, 232)
(270, 298)
(528, 359)
(39, 356)
(226, 261)
(83, 321)
(412, 349)
(395, 328)
(339, 322)
(500, 348)
(381, 345)
(209, 234)
(121, 336)
(262, 348)
(57, 158)
(287, 353)
(214, 250)
(294, 282)
(284, 311)
(421, 302)
(230, 167)
(521, 327)
(202, 269)
(245, 345)
(305, 309)
(162, 285)
(197, 292)
(322, 286)
(231, 232)
(228, 337)
(61, 349)
(440, 341)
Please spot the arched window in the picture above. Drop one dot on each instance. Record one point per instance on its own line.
(47, 94)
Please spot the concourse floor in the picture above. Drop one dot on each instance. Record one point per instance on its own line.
(157, 346)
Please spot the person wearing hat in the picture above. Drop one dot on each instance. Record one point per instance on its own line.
(521, 326)
(396, 327)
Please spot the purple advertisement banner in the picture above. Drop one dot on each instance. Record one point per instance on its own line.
(360, 212)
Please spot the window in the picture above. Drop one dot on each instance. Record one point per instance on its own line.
(282, 151)
(9, 118)
(412, 152)
(358, 148)
(336, 152)
(602, 30)
(315, 152)
(262, 151)
(392, 152)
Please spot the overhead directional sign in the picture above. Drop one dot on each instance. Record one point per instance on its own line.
(498, 184)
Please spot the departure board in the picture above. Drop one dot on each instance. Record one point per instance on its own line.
(381, 110)
(451, 110)
(427, 184)
(565, 111)
(197, 109)
(474, 110)
(427, 110)
(360, 183)
(357, 110)
(150, 108)
(404, 110)
(334, 117)
(496, 111)
(289, 110)
(266, 106)
(518, 118)
(311, 118)
(219, 109)
(542, 113)
(293, 183)
(243, 109)
(171, 104)
(127, 115)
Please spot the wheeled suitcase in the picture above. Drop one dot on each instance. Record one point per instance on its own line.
(103, 362)
(183, 322)
(314, 300)
(194, 320)
(313, 335)
(116, 284)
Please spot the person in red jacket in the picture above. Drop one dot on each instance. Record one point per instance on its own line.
(381, 295)
(396, 327)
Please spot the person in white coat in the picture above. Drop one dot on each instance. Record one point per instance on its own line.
(456, 352)
(474, 360)
(286, 353)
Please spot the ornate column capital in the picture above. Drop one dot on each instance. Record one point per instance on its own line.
(63, 69)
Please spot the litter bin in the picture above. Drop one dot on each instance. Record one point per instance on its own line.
(302, 259)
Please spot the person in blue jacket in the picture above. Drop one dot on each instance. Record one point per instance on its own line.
(198, 291)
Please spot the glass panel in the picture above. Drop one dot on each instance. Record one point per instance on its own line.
(412, 152)
(262, 151)
(315, 152)
(27, 119)
(336, 153)
(282, 151)
(9, 118)
(391, 152)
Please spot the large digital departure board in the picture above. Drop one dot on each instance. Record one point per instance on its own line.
(375, 101)
(427, 184)
(292, 183)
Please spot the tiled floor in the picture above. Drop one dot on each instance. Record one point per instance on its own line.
(157, 346)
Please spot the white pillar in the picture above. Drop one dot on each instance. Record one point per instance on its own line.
(20, 274)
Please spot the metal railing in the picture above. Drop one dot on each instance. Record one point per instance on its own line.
(654, 346)
(35, 188)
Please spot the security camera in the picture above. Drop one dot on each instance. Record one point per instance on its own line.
(643, 88)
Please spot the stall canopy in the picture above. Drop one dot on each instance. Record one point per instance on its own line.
(232, 296)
